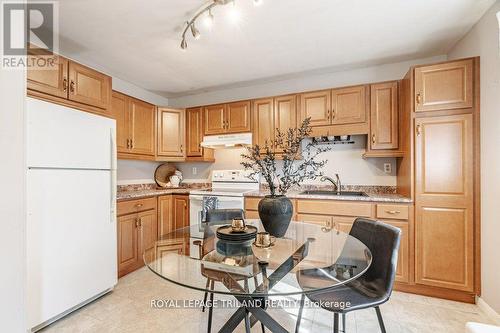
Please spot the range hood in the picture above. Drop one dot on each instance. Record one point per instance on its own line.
(227, 140)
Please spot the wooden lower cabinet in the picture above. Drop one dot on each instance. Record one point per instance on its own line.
(136, 233)
(128, 244)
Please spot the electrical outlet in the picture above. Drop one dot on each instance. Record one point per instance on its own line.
(195, 170)
(387, 167)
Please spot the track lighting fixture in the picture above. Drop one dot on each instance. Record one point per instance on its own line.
(209, 18)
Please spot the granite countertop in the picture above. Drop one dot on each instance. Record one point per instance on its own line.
(374, 194)
(126, 192)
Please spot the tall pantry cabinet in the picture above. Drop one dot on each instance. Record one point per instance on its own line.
(440, 171)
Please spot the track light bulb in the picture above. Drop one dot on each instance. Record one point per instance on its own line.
(195, 32)
(184, 44)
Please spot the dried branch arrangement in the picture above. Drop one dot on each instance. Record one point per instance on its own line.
(297, 165)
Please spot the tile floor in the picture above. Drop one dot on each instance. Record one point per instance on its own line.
(127, 309)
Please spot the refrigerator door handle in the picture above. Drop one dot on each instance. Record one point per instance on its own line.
(113, 175)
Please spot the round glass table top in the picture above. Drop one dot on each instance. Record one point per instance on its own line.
(308, 258)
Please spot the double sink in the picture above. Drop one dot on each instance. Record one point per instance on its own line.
(333, 193)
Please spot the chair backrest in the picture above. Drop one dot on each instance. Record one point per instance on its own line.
(216, 215)
(383, 241)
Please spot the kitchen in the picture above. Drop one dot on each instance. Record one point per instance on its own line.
(409, 142)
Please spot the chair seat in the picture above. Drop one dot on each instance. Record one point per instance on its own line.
(358, 297)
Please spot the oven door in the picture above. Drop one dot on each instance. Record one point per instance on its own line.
(195, 213)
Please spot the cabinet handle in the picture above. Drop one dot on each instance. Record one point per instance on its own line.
(333, 114)
(419, 98)
(419, 129)
(65, 84)
(140, 221)
(137, 223)
(72, 86)
(128, 143)
(393, 212)
(373, 138)
(328, 114)
(139, 205)
(182, 149)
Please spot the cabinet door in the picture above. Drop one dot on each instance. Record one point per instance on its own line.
(316, 105)
(285, 114)
(128, 244)
(121, 113)
(143, 127)
(384, 116)
(181, 211)
(165, 214)
(52, 81)
(194, 132)
(444, 86)
(214, 119)
(263, 121)
(88, 86)
(171, 132)
(238, 117)
(444, 196)
(402, 271)
(324, 220)
(148, 231)
(343, 223)
(349, 105)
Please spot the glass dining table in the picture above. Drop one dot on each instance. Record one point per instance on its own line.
(309, 259)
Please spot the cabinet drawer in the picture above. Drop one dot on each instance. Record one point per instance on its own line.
(132, 206)
(398, 212)
(252, 203)
(331, 207)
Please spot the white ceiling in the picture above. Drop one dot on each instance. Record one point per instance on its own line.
(138, 41)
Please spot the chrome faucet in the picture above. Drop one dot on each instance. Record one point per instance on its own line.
(337, 184)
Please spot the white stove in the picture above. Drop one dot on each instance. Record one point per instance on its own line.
(229, 187)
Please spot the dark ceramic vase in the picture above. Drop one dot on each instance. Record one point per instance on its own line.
(275, 212)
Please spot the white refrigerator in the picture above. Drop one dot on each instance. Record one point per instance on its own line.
(71, 210)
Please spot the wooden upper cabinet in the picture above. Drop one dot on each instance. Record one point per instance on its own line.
(444, 86)
(88, 86)
(285, 112)
(444, 202)
(171, 133)
(317, 106)
(143, 127)
(238, 117)
(263, 121)
(135, 126)
(214, 119)
(121, 113)
(194, 132)
(50, 81)
(348, 105)
(384, 111)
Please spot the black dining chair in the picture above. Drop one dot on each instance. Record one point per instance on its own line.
(374, 287)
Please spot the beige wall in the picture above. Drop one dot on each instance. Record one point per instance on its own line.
(483, 40)
(12, 207)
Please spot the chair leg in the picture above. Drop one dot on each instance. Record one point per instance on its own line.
(343, 322)
(211, 308)
(299, 316)
(335, 322)
(380, 320)
(205, 296)
(263, 328)
(247, 322)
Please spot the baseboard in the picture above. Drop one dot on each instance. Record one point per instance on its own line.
(450, 294)
(490, 312)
